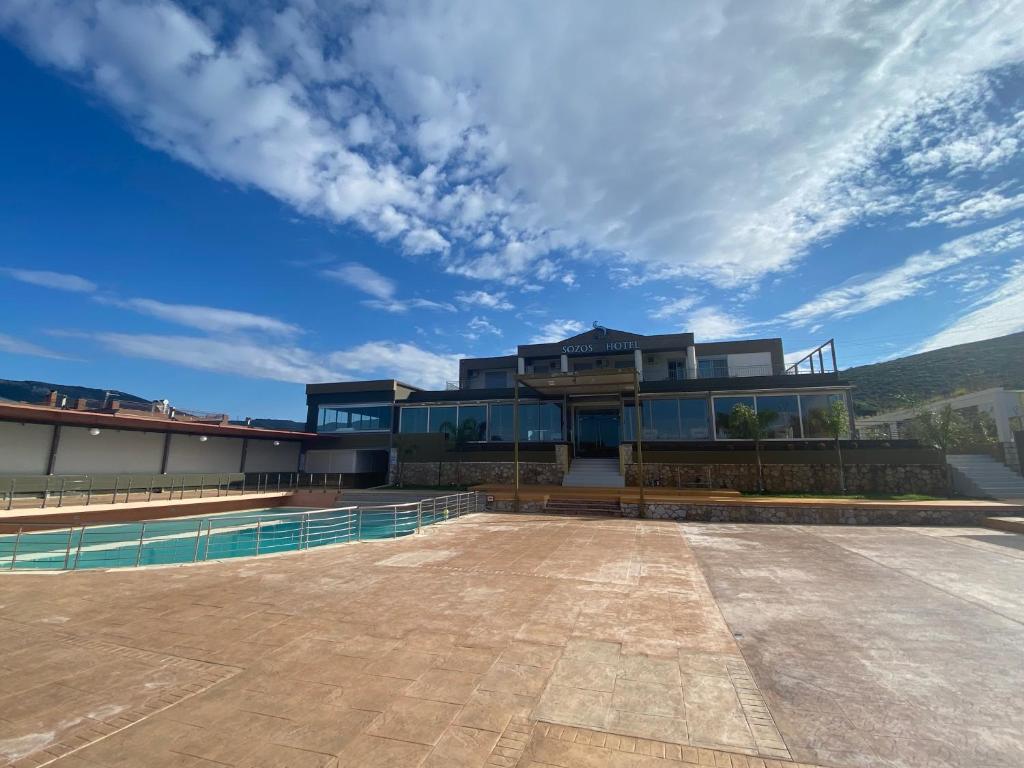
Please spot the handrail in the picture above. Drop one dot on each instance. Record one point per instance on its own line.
(48, 546)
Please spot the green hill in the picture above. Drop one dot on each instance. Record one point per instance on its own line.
(942, 372)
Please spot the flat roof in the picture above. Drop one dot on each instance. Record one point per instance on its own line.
(43, 414)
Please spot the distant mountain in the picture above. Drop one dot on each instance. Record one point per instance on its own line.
(36, 392)
(942, 372)
(286, 424)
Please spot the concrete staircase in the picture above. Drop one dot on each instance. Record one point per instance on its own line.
(986, 477)
(590, 507)
(594, 473)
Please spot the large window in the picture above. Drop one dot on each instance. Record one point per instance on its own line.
(540, 422)
(669, 419)
(786, 423)
(444, 419)
(813, 408)
(354, 418)
(501, 422)
(713, 368)
(723, 415)
(496, 379)
(792, 416)
(693, 419)
(472, 423)
(413, 420)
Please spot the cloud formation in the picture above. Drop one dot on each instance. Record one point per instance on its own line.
(484, 136)
(59, 281)
(211, 319)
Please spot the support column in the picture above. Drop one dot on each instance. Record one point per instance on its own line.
(166, 454)
(51, 460)
(521, 366)
(638, 362)
(565, 364)
(245, 451)
(691, 362)
(515, 442)
(639, 442)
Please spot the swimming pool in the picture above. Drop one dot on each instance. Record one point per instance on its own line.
(217, 537)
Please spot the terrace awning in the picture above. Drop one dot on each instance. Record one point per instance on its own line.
(609, 382)
(613, 381)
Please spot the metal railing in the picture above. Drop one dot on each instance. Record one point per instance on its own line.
(44, 491)
(48, 547)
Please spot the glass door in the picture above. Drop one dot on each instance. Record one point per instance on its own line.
(597, 432)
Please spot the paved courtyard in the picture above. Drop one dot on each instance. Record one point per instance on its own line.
(531, 641)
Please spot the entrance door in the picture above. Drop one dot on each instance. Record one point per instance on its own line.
(597, 432)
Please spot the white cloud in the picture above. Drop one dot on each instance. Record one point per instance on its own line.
(714, 324)
(374, 359)
(56, 280)
(399, 306)
(479, 326)
(999, 313)
(14, 346)
(912, 276)
(403, 361)
(382, 288)
(211, 319)
(557, 330)
(660, 147)
(671, 308)
(484, 300)
(364, 279)
(990, 204)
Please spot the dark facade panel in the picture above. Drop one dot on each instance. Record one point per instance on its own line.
(743, 384)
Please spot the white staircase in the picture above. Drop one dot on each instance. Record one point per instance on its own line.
(594, 473)
(984, 476)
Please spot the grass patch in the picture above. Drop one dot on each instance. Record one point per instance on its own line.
(863, 496)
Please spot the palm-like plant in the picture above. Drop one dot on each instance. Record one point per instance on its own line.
(836, 423)
(746, 423)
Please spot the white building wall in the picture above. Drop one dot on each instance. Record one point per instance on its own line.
(656, 365)
(264, 456)
(217, 454)
(348, 461)
(750, 364)
(24, 448)
(111, 452)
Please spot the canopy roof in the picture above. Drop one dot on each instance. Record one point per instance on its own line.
(611, 381)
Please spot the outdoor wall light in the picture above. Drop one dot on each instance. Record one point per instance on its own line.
(277, 442)
(203, 438)
(94, 431)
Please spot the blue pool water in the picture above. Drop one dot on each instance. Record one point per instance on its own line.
(212, 537)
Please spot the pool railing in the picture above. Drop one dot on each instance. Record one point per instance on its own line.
(49, 547)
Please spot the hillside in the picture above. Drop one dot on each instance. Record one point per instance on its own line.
(36, 391)
(952, 370)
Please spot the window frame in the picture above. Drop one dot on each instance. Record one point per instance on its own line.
(389, 406)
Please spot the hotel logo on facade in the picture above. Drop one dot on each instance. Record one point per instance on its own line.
(607, 346)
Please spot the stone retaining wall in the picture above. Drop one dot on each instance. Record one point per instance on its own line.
(811, 515)
(926, 479)
(477, 473)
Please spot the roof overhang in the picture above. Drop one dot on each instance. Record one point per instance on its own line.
(611, 382)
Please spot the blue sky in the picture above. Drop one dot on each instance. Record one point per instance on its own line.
(216, 204)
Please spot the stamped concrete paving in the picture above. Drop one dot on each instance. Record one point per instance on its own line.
(879, 646)
(505, 641)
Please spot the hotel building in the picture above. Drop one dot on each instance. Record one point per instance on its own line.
(576, 400)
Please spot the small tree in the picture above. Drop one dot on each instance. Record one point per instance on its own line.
(836, 423)
(940, 429)
(745, 422)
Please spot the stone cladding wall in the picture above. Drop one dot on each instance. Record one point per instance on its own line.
(927, 479)
(477, 473)
(811, 515)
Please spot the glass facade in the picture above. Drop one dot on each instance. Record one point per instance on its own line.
(723, 414)
(538, 422)
(795, 416)
(812, 409)
(787, 415)
(373, 417)
(669, 419)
